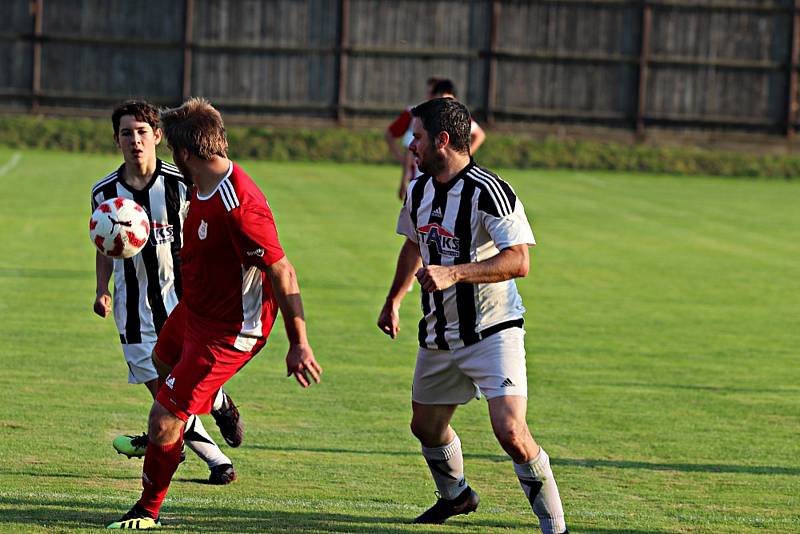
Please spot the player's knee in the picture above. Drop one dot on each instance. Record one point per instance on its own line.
(513, 437)
(163, 427)
(423, 431)
(418, 429)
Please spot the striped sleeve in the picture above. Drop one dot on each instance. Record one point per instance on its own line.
(496, 198)
(405, 224)
(502, 215)
(100, 188)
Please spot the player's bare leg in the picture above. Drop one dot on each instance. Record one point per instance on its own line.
(165, 434)
(531, 462)
(152, 387)
(135, 446)
(442, 451)
(196, 437)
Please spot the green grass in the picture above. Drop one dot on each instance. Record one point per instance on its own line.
(662, 349)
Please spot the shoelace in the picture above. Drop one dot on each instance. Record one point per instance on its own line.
(139, 441)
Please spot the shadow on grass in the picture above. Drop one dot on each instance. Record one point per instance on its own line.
(572, 462)
(83, 475)
(63, 513)
(60, 274)
(773, 390)
(134, 478)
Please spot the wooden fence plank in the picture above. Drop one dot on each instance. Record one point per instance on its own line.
(702, 62)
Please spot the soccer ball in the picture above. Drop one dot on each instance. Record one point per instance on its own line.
(119, 228)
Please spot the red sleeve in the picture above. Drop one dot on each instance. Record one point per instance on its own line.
(400, 124)
(255, 237)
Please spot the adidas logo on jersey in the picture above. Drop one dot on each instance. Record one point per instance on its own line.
(170, 382)
(437, 213)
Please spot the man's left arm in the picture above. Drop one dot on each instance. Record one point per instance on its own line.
(258, 245)
(300, 360)
(511, 262)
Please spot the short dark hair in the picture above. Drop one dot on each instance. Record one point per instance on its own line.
(444, 87)
(139, 109)
(446, 115)
(433, 80)
(196, 126)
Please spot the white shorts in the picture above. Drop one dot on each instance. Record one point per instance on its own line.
(140, 362)
(494, 366)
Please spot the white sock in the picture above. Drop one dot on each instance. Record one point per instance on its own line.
(447, 467)
(219, 401)
(539, 485)
(200, 442)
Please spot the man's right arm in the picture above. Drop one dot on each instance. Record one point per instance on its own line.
(394, 132)
(103, 267)
(394, 146)
(408, 262)
(407, 175)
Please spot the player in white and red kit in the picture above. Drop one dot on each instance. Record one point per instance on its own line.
(236, 278)
(400, 128)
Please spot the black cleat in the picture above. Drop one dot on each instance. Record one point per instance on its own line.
(229, 423)
(465, 503)
(222, 474)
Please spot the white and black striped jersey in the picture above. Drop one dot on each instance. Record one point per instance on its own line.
(468, 219)
(148, 286)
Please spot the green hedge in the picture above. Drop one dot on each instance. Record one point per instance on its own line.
(367, 146)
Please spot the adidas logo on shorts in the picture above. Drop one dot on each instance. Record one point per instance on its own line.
(507, 383)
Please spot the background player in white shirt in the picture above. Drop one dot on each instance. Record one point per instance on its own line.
(467, 238)
(148, 286)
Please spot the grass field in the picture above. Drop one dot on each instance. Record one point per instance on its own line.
(662, 348)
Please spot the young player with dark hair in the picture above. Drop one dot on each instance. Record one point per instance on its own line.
(147, 287)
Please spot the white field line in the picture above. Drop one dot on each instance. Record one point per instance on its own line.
(16, 157)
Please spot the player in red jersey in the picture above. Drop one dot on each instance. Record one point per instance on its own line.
(236, 278)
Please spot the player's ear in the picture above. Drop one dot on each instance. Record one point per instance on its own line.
(158, 135)
(442, 139)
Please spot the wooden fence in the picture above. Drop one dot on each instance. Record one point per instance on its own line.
(709, 64)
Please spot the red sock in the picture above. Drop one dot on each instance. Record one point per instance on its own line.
(160, 463)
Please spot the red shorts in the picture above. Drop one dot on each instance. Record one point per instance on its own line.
(203, 357)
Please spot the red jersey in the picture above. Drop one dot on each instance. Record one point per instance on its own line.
(229, 239)
(401, 124)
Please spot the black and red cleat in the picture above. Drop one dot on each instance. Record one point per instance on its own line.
(222, 475)
(229, 422)
(444, 509)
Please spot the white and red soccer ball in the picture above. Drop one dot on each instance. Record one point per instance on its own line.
(119, 228)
